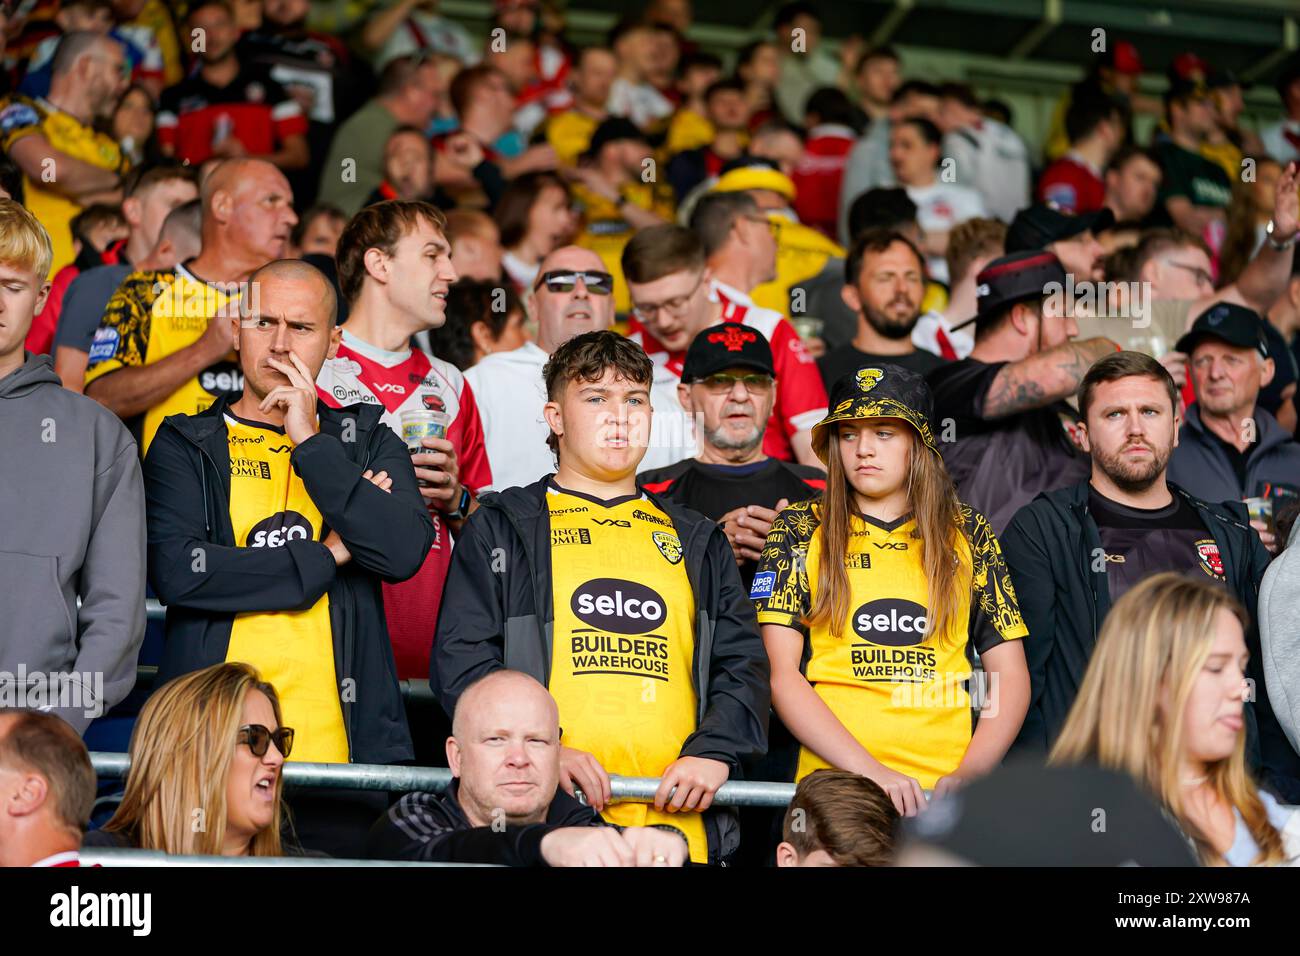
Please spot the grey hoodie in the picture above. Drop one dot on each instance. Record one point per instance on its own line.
(72, 526)
(1200, 466)
(1279, 635)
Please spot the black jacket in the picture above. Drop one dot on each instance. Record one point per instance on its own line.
(433, 828)
(497, 611)
(204, 579)
(1048, 548)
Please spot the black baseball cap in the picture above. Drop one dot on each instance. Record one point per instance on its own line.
(1025, 814)
(611, 130)
(1038, 226)
(1234, 324)
(878, 390)
(727, 345)
(1013, 278)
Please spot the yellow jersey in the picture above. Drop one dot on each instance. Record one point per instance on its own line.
(569, 134)
(605, 231)
(901, 693)
(151, 316)
(21, 116)
(623, 643)
(687, 130)
(293, 650)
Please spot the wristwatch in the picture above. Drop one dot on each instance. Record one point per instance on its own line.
(1280, 246)
(462, 506)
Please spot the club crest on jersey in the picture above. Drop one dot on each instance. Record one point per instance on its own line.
(733, 337)
(668, 546)
(433, 402)
(1211, 561)
(868, 377)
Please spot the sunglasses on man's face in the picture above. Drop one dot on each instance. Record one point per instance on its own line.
(597, 283)
(259, 738)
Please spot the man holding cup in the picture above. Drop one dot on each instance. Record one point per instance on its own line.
(394, 264)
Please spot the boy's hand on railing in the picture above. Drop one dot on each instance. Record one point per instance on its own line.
(697, 779)
(580, 770)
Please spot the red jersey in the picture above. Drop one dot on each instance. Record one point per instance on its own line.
(402, 381)
(800, 394)
(819, 175)
(253, 108)
(1072, 186)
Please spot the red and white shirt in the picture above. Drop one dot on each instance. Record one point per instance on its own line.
(819, 175)
(1072, 185)
(68, 858)
(401, 381)
(800, 394)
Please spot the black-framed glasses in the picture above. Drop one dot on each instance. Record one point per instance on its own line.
(259, 738)
(1202, 277)
(676, 307)
(722, 383)
(597, 283)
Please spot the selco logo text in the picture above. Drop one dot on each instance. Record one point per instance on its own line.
(891, 621)
(623, 607)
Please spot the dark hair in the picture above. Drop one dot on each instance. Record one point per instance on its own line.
(998, 110)
(749, 51)
(881, 208)
(629, 23)
(470, 301)
(846, 815)
(875, 240)
(1111, 368)
(1089, 108)
(960, 92)
(789, 12)
(98, 214)
(1156, 242)
(915, 87)
(715, 215)
(49, 746)
(11, 178)
(1130, 152)
(661, 251)
(203, 4)
(587, 357)
(830, 104)
(399, 72)
(726, 83)
(466, 83)
(929, 132)
(517, 201)
(877, 53)
(311, 215)
(147, 176)
(698, 59)
(380, 226)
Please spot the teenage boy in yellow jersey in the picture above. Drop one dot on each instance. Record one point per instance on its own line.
(165, 344)
(272, 520)
(870, 653)
(626, 606)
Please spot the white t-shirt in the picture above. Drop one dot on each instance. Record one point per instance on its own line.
(939, 207)
(926, 335)
(992, 160)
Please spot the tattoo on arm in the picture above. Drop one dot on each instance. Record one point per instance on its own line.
(1043, 378)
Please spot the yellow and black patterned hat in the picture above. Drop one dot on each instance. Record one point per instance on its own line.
(879, 390)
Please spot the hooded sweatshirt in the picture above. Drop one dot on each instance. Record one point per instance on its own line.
(1279, 636)
(73, 528)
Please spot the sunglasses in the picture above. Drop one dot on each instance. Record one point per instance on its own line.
(597, 283)
(755, 384)
(259, 739)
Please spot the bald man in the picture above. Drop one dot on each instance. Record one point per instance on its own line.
(504, 804)
(571, 295)
(164, 345)
(273, 519)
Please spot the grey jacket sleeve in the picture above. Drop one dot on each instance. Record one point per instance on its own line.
(1279, 636)
(111, 621)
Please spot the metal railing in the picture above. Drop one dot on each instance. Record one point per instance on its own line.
(399, 779)
(105, 857)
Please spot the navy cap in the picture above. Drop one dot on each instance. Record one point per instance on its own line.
(1234, 324)
(1037, 227)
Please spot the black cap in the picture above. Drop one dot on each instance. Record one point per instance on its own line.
(1037, 227)
(878, 390)
(1013, 278)
(1224, 79)
(612, 129)
(1024, 814)
(1234, 324)
(727, 345)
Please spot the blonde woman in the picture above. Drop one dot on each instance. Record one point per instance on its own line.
(205, 778)
(1164, 700)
